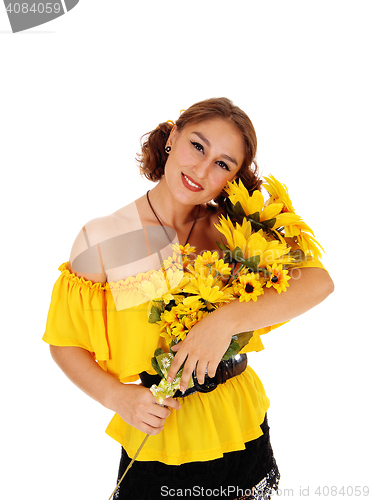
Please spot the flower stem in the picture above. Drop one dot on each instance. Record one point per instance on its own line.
(131, 463)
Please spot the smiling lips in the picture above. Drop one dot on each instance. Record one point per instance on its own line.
(190, 183)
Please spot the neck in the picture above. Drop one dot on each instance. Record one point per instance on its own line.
(171, 212)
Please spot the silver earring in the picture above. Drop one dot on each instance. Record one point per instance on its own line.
(168, 149)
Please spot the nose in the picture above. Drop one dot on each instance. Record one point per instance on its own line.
(202, 168)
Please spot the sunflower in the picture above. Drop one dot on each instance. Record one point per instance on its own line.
(209, 263)
(268, 251)
(179, 330)
(174, 263)
(277, 278)
(183, 250)
(237, 192)
(207, 258)
(211, 290)
(235, 235)
(296, 228)
(168, 319)
(278, 194)
(188, 310)
(189, 316)
(163, 285)
(247, 287)
(180, 319)
(252, 244)
(309, 245)
(180, 258)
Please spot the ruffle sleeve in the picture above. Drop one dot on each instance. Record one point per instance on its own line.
(77, 314)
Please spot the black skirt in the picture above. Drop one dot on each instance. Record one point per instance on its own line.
(251, 473)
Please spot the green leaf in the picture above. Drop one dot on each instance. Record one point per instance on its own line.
(227, 257)
(159, 351)
(269, 223)
(244, 338)
(232, 350)
(252, 262)
(156, 367)
(235, 345)
(255, 217)
(229, 208)
(155, 315)
(237, 254)
(222, 246)
(236, 212)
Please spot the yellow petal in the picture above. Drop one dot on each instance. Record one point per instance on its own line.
(271, 211)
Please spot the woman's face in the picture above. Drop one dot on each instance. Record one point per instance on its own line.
(203, 157)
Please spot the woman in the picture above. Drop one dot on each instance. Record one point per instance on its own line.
(209, 440)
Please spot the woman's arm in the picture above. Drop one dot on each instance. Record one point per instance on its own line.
(134, 403)
(209, 339)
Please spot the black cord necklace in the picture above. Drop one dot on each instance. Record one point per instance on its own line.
(158, 218)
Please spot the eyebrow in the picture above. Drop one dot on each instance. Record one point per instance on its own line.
(207, 142)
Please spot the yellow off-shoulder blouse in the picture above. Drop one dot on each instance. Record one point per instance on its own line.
(123, 342)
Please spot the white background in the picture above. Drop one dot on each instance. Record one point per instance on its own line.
(76, 94)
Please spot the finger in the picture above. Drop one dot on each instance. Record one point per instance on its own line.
(148, 429)
(211, 369)
(187, 373)
(176, 347)
(201, 369)
(160, 411)
(153, 420)
(175, 365)
(172, 403)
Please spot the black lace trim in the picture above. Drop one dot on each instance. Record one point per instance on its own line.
(253, 471)
(265, 488)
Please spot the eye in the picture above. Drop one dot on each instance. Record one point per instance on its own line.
(198, 146)
(224, 165)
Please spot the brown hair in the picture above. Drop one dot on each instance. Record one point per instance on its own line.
(153, 157)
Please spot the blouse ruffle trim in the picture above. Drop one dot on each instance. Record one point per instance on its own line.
(220, 421)
(80, 280)
(118, 288)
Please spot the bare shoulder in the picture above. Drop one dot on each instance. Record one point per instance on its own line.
(86, 258)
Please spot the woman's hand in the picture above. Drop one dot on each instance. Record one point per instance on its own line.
(138, 407)
(207, 342)
(204, 346)
(134, 403)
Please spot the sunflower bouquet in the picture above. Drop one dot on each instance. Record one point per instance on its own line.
(258, 253)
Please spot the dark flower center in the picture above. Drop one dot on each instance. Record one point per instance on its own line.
(249, 288)
(274, 279)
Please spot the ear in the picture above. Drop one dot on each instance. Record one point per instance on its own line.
(173, 133)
